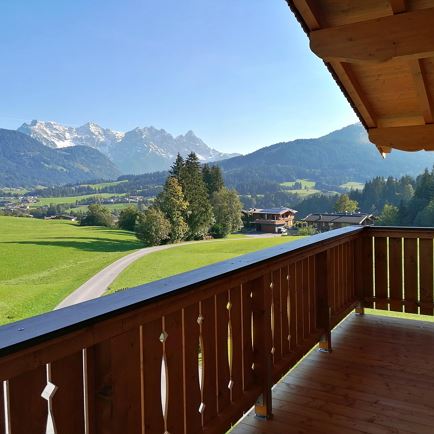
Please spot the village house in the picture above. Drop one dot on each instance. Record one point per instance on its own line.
(273, 220)
(328, 221)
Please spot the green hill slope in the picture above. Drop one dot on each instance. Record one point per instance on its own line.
(26, 162)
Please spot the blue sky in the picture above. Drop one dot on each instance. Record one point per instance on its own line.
(239, 73)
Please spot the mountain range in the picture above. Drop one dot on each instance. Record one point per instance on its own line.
(140, 150)
(26, 162)
(47, 153)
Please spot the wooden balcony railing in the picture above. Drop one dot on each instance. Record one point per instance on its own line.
(191, 353)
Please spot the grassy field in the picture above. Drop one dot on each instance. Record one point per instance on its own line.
(305, 183)
(353, 185)
(43, 261)
(7, 190)
(308, 187)
(185, 258)
(104, 184)
(110, 206)
(45, 201)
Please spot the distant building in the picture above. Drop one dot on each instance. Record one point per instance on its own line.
(328, 221)
(62, 217)
(273, 220)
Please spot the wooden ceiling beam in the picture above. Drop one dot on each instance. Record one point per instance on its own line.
(405, 35)
(349, 80)
(310, 13)
(424, 99)
(410, 138)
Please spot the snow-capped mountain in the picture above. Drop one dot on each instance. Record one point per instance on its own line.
(140, 150)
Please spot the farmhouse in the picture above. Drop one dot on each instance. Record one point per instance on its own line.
(328, 221)
(272, 220)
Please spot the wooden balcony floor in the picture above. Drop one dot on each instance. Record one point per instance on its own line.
(379, 379)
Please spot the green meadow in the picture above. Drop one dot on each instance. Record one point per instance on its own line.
(307, 187)
(46, 201)
(43, 261)
(352, 185)
(188, 257)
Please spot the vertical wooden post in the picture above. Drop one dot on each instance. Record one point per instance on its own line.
(363, 272)
(262, 342)
(323, 308)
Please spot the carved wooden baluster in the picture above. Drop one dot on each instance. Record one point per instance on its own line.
(164, 376)
(201, 362)
(48, 394)
(237, 345)
(208, 332)
(272, 318)
(246, 336)
(230, 345)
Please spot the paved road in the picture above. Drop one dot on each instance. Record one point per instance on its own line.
(98, 284)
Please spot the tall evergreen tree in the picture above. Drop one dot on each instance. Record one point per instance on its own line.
(171, 201)
(177, 166)
(213, 178)
(200, 216)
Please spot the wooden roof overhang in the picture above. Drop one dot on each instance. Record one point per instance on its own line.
(381, 54)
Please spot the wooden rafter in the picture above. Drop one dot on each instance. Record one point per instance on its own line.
(405, 35)
(309, 12)
(424, 99)
(349, 80)
(410, 138)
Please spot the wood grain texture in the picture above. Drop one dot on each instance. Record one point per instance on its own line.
(68, 408)
(237, 346)
(28, 410)
(410, 275)
(426, 276)
(409, 35)
(152, 355)
(210, 359)
(378, 380)
(395, 263)
(381, 266)
(191, 388)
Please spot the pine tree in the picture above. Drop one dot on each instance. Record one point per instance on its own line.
(200, 216)
(171, 201)
(177, 166)
(213, 178)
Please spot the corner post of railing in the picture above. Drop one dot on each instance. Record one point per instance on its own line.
(323, 279)
(262, 342)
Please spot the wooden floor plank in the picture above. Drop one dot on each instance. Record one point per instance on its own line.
(378, 380)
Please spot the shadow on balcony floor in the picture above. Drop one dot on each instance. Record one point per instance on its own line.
(379, 379)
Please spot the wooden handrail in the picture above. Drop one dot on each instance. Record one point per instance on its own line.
(187, 354)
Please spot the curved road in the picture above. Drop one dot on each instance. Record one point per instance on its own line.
(98, 284)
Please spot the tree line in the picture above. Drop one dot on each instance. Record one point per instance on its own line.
(193, 204)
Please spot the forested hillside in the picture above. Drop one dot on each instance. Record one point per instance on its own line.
(26, 162)
(331, 160)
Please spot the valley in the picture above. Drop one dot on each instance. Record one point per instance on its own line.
(44, 261)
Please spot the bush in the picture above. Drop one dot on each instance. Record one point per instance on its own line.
(152, 227)
(97, 215)
(306, 230)
(128, 217)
